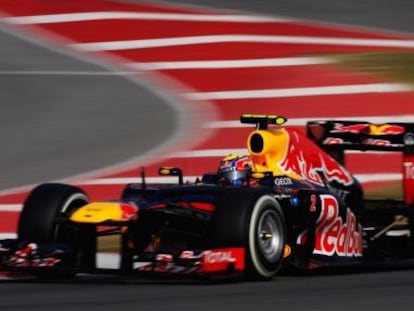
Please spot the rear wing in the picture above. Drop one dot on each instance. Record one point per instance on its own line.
(336, 136)
(358, 135)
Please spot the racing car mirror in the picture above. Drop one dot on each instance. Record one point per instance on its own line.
(172, 171)
(262, 121)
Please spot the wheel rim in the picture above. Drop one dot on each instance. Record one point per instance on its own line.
(269, 236)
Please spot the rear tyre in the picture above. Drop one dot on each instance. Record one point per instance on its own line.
(254, 220)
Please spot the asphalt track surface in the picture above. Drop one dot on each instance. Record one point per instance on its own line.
(351, 290)
(381, 289)
(59, 113)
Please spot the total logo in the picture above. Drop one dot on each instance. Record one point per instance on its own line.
(333, 236)
(215, 260)
(218, 257)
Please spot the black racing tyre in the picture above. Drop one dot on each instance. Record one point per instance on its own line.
(43, 205)
(254, 220)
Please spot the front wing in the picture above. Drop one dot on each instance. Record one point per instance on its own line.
(37, 258)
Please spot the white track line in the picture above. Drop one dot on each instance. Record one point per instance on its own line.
(10, 207)
(209, 39)
(303, 121)
(243, 63)
(364, 178)
(7, 235)
(304, 91)
(91, 16)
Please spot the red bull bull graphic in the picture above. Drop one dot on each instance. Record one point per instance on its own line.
(129, 211)
(353, 128)
(368, 128)
(311, 163)
(365, 134)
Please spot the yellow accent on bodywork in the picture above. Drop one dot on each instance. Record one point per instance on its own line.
(380, 129)
(287, 251)
(232, 156)
(275, 146)
(273, 150)
(257, 175)
(97, 212)
(376, 129)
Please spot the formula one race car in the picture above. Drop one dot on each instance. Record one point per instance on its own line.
(297, 206)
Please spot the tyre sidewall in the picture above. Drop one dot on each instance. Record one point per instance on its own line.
(262, 267)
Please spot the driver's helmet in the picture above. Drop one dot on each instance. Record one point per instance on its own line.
(233, 170)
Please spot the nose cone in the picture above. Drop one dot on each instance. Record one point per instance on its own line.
(99, 212)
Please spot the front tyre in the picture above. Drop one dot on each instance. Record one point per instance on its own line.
(44, 204)
(254, 220)
(38, 224)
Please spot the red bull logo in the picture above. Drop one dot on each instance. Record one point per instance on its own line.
(129, 211)
(243, 163)
(306, 160)
(370, 129)
(235, 162)
(354, 128)
(333, 235)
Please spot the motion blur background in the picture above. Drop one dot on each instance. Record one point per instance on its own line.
(26, 157)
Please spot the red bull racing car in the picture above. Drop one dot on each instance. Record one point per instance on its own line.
(289, 203)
